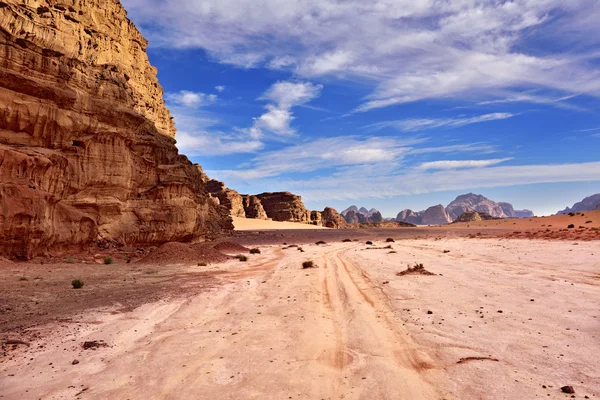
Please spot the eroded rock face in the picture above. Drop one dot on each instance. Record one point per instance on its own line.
(316, 218)
(588, 204)
(474, 202)
(253, 207)
(332, 219)
(435, 215)
(227, 197)
(284, 206)
(87, 153)
(409, 216)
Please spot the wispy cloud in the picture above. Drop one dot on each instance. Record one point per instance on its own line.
(459, 164)
(405, 50)
(419, 124)
(220, 88)
(190, 99)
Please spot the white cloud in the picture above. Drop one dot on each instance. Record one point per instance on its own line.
(220, 88)
(459, 164)
(279, 116)
(190, 99)
(418, 124)
(404, 50)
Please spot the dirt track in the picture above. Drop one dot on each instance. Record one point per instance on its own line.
(349, 329)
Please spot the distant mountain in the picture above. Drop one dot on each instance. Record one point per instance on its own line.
(351, 208)
(355, 215)
(588, 204)
(466, 203)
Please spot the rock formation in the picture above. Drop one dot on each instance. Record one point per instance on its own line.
(87, 153)
(474, 202)
(351, 217)
(332, 219)
(227, 197)
(409, 216)
(284, 206)
(510, 212)
(315, 218)
(471, 216)
(253, 207)
(588, 204)
(351, 208)
(435, 215)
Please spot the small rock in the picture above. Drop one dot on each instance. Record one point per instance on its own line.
(500, 311)
(429, 312)
(75, 362)
(567, 389)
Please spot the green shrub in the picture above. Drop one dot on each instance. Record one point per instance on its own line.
(70, 260)
(108, 260)
(308, 264)
(77, 284)
(242, 258)
(255, 251)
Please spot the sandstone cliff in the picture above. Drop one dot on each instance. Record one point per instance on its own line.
(87, 153)
(409, 216)
(284, 206)
(253, 207)
(227, 197)
(474, 202)
(332, 219)
(436, 215)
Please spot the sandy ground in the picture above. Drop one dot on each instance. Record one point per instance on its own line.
(501, 319)
(249, 224)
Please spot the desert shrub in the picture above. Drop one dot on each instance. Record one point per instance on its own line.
(202, 264)
(346, 240)
(77, 284)
(588, 222)
(369, 242)
(571, 226)
(446, 251)
(70, 260)
(242, 257)
(308, 264)
(320, 242)
(300, 249)
(571, 214)
(108, 260)
(23, 279)
(392, 252)
(389, 240)
(255, 251)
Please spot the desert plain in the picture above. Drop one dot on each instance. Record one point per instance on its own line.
(501, 309)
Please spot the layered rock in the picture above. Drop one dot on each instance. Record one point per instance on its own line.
(227, 197)
(315, 218)
(590, 203)
(332, 219)
(409, 216)
(472, 216)
(87, 153)
(284, 206)
(435, 215)
(253, 207)
(474, 202)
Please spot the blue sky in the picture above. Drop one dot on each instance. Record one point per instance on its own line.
(389, 104)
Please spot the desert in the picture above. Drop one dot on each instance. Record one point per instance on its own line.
(500, 317)
(171, 173)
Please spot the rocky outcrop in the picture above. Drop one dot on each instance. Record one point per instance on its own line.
(436, 215)
(87, 153)
(315, 218)
(253, 207)
(227, 197)
(472, 216)
(351, 217)
(474, 202)
(409, 216)
(590, 203)
(351, 208)
(332, 219)
(284, 206)
(376, 217)
(510, 212)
